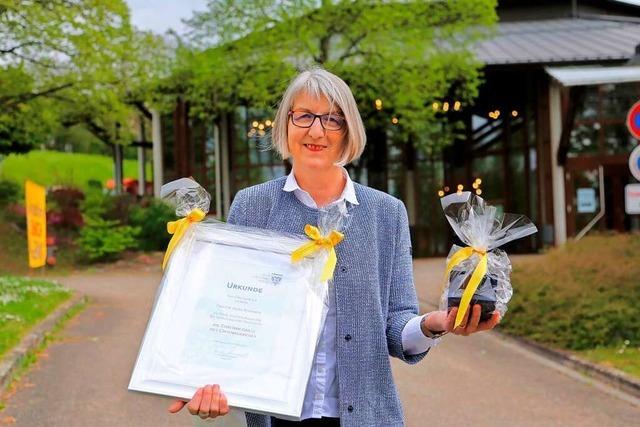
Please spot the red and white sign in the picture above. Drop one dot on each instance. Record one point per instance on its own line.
(633, 120)
(632, 199)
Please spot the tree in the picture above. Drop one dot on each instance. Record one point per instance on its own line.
(64, 62)
(408, 54)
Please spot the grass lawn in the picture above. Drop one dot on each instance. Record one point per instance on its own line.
(58, 168)
(23, 303)
(582, 297)
(625, 358)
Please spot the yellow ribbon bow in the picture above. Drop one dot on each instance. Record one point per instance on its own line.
(178, 228)
(318, 241)
(476, 277)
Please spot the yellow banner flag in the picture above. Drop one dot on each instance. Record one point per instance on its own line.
(35, 202)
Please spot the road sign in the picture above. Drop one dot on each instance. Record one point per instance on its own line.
(632, 199)
(633, 120)
(634, 162)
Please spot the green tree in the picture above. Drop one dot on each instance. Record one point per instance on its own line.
(409, 54)
(64, 62)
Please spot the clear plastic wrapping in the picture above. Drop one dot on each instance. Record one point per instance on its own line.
(233, 309)
(483, 229)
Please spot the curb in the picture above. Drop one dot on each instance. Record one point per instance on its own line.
(613, 377)
(610, 376)
(11, 361)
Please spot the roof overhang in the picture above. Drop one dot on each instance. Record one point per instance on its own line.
(594, 75)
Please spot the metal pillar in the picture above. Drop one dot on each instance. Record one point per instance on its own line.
(156, 137)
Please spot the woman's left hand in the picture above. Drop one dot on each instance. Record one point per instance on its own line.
(443, 321)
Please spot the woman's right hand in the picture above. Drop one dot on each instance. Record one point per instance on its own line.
(207, 402)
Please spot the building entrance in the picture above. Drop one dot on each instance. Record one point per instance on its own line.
(582, 194)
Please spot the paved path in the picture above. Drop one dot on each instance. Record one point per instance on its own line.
(82, 379)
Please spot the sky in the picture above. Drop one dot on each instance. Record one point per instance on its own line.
(160, 15)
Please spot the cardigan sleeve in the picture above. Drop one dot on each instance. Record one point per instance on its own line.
(403, 301)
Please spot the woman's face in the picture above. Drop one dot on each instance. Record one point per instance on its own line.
(314, 147)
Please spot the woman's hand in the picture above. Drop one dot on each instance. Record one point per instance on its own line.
(443, 321)
(207, 402)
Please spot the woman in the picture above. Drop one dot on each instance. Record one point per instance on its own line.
(372, 303)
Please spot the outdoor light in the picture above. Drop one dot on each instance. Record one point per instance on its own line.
(440, 193)
(460, 187)
(435, 106)
(254, 124)
(456, 106)
(445, 106)
(475, 185)
(261, 126)
(446, 188)
(514, 113)
(267, 122)
(479, 181)
(378, 104)
(394, 120)
(478, 191)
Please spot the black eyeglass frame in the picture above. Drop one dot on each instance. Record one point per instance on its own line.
(318, 116)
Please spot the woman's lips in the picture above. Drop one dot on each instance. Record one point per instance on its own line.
(314, 147)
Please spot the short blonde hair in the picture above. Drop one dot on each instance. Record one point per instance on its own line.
(319, 82)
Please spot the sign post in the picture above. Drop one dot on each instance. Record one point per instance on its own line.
(35, 201)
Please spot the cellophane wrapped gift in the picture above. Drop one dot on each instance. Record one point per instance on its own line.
(483, 229)
(234, 309)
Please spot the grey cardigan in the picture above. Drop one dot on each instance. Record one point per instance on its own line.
(374, 293)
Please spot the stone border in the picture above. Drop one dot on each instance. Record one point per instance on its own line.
(610, 376)
(30, 342)
(613, 377)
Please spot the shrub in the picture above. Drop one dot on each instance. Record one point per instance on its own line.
(152, 221)
(10, 192)
(102, 240)
(95, 204)
(65, 208)
(16, 213)
(580, 296)
(119, 207)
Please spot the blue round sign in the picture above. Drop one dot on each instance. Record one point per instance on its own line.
(634, 162)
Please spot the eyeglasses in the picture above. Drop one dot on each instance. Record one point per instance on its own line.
(305, 119)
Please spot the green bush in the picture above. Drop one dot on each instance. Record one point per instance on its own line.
(10, 192)
(95, 204)
(580, 296)
(103, 240)
(152, 221)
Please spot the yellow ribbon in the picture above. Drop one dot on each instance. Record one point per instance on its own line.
(318, 241)
(178, 228)
(474, 281)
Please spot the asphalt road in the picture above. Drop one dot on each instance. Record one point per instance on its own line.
(482, 380)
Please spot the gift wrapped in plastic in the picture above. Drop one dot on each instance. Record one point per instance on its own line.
(480, 272)
(237, 306)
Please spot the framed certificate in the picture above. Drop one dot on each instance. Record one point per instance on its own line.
(234, 310)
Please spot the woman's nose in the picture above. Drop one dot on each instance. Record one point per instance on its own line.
(316, 130)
